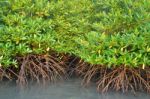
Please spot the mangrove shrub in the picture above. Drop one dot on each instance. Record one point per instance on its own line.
(104, 32)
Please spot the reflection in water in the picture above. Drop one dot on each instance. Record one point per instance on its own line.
(70, 89)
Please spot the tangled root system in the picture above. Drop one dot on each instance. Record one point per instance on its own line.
(43, 68)
(4, 74)
(40, 68)
(124, 79)
(119, 78)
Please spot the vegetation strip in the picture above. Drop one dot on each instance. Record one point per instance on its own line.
(44, 40)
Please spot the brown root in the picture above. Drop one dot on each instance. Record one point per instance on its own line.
(40, 68)
(4, 74)
(49, 68)
(118, 78)
(87, 71)
(124, 79)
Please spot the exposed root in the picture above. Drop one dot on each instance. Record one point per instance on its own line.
(4, 74)
(119, 78)
(70, 61)
(87, 71)
(41, 68)
(124, 79)
(49, 68)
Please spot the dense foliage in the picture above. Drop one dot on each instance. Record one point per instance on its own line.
(104, 32)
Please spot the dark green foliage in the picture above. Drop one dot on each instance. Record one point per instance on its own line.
(105, 32)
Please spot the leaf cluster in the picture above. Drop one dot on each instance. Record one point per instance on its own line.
(104, 32)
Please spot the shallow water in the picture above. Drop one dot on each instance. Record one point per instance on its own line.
(70, 89)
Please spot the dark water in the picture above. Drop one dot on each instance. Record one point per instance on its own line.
(70, 89)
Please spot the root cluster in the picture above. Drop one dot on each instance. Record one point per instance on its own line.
(49, 68)
(39, 68)
(119, 78)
